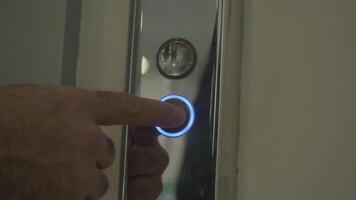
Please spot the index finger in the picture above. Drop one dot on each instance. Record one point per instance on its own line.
(110, 108)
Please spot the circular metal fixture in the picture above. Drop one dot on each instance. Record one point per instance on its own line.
(176, 58)
(173, 133)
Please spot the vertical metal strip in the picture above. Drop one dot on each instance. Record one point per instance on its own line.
(130, 89)
(71, 42)
(228, 108)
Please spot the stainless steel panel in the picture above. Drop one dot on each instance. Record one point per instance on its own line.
(230, 58)
(203, 162)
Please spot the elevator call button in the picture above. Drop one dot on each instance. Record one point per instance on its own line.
(178, 132)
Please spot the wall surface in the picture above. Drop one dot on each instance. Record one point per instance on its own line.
(298, 111)
(102, 62)
(31, 41)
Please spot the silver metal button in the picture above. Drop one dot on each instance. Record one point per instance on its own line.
(176, 58)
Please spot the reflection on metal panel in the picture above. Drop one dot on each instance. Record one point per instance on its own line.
(177, 49)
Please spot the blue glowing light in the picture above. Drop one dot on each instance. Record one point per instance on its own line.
(191, 117)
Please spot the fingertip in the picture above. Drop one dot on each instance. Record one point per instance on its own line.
(174, 117)
(181, 116)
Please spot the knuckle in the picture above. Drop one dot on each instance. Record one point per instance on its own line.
(156, 161)
(103, 184)
(159, 187)
(152, 187)
(111, 146)
(164, 158)
(72, 103)
(132, 109)
(103, 96)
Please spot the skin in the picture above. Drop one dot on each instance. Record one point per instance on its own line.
(51, 145)
(144, 183)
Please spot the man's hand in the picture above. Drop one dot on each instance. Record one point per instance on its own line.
(51, 146)
(147, 161)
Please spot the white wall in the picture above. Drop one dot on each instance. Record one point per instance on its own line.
(31, 41)
(102, 61)
(298, 120)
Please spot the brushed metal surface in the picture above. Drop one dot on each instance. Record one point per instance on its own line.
(203, 164)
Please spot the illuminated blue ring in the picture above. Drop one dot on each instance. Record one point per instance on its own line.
(191, 117)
